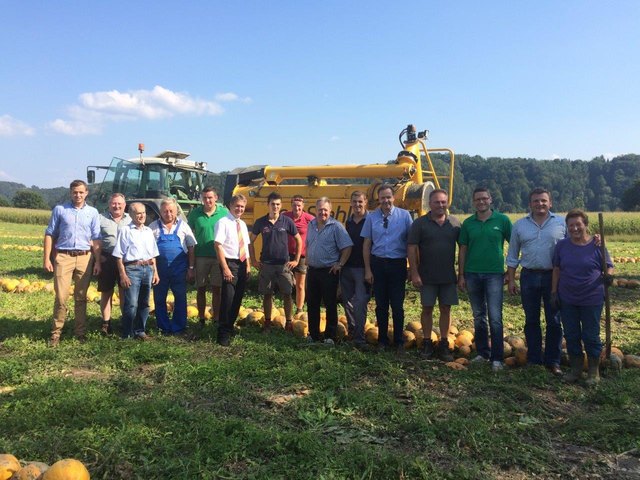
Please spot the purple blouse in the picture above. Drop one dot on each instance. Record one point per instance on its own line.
(580, 272)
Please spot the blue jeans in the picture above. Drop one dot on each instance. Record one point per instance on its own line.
(389, 278)
(485, 295)
(136, 300)
(535, 287)
(582, 326)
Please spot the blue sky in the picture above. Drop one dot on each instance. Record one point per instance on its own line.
(295, 83)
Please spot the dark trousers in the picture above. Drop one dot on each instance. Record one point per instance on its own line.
(322, 287)
(231, 297)
(389, 278)
(535, 288)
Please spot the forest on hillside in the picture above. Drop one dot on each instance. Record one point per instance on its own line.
(596, 185)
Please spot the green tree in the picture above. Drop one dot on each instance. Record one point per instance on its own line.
(631, 198)
(29, 199)
(4, 201)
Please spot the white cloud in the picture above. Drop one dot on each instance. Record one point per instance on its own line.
(95, 110)
(232, 97)
(12, 127)
(334, 138)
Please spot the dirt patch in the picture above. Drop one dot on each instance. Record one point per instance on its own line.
(282, 399)
(85, 374)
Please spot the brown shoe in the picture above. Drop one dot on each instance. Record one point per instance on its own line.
(143, 337)
(54, 341)
(554, 370)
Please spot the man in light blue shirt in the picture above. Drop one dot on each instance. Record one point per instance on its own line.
(328, 249)
(384, 250)
(71, 237)
(533, 240)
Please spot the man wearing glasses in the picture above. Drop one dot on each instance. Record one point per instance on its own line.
(384, 250)
(481, 274)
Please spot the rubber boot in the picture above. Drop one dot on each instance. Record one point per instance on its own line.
(576, 363)
(593, 374)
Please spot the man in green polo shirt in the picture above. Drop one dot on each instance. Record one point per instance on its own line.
(481, 274)
(202, 221)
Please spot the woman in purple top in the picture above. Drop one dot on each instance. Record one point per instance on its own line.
(578, 285)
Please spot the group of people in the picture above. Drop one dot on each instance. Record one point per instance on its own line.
(305, 258)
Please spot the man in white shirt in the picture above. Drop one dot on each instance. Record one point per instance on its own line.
(135, 251)
(232, 249)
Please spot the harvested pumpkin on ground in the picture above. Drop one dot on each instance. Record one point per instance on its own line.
(515, 342)
(455, 366)
(631, 361)
(67, 469)
(8, 466)
(462, 361)
(31, 471)
(520, 355)
(511, 362)
(464, 351)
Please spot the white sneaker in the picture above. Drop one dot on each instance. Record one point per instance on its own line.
(496, 366)
(479, 359)
(329, 342)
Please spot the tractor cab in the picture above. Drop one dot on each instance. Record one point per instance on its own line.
(149, 180)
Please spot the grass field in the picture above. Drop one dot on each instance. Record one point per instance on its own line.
(270, 408)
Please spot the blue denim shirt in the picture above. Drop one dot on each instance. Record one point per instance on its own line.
(532, 245)
(390, 242)
(73, 228)
(324, 246)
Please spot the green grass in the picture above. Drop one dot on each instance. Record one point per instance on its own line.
(268, 407)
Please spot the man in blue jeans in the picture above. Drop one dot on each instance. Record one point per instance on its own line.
(135, 252)
(533, 240)
(481, 274)
(384, 251)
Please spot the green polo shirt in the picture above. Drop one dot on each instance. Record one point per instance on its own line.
(485, 242)
(203, 226)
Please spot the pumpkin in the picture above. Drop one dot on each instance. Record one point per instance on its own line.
(343, 320)
(255, 318)
(279, 321)
(463, 340)
(455, 366)
(464, 351)
(511, 362)
(341, 331)
(453, 330)
(508, 350)
(29, 472)
(8, 466)
(632, 361)
(372, 336)
(515, 342)
(409, 339)
(414, 326)
(192, 312)
(462, 361)
(521, 356)
(67, 469)
(300, 328)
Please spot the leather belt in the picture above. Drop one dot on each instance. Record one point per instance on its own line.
(140, 263)
(75, 253)
(537, 270)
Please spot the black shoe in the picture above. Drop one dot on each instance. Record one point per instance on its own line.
(224, 341)
(201, 323)
(427, 350)
(443, 351)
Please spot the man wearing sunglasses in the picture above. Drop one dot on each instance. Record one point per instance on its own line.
(384, 250)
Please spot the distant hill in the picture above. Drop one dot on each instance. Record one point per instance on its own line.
(52, 196)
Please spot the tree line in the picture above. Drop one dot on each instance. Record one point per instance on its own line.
(596, 185)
